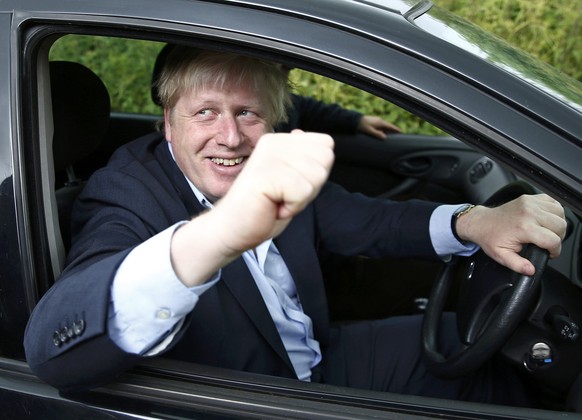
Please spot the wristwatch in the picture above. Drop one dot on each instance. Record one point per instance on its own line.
(461, 211)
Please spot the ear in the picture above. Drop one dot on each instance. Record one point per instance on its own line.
(168, 125)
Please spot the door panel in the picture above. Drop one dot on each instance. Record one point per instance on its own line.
(408, 166)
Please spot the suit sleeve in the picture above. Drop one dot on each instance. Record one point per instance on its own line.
(67, 342)
(353, 224)
(310, 114)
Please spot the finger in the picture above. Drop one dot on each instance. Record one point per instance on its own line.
(520, 265)
(299, 183)
(296, 194)
(537, 219)
(515, 262)
(376, 127)
(379, 134)
(311, 155)
(546, 238)
(551, 225)
(547, 203)
(392, 127)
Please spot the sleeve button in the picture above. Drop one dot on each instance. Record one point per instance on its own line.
(64, 334)
(78, 327)
(163, 314)
(57, 339)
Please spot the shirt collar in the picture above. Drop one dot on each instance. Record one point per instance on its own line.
(199, 196)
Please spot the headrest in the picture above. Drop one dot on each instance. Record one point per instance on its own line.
(81, 108)
(161, 62)
(158, 67)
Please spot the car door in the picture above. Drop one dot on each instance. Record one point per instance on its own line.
(413, 166)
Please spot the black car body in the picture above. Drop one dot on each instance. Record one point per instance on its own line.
(508, 117)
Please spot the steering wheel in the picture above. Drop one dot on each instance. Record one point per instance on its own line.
(493, 300)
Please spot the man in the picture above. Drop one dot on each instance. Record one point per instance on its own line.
(202, 246)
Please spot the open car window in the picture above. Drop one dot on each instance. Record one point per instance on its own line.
(432, 158)
(419, 162)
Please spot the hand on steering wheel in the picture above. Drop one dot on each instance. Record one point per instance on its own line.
(493, 301)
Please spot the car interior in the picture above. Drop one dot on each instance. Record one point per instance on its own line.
(404, 166)
(86, 127)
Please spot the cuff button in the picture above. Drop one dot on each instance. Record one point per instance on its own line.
(78, 327)
(163, 314)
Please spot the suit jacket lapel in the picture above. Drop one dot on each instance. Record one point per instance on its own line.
(177, 178)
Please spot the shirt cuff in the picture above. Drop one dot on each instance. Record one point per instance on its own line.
(148, 300)
(443, 240)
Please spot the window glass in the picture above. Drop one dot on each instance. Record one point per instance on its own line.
(455, 30)
(124, 65)
(331, 91)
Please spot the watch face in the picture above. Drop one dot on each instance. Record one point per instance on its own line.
(456, 215)
(464, 210)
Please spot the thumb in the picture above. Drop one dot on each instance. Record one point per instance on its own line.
(517, 263)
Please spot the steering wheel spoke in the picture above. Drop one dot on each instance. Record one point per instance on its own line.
(483, 288)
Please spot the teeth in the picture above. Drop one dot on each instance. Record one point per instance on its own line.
(227, 162)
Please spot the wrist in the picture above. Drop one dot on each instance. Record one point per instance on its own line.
(196, 250)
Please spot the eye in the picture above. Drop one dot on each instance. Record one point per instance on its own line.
(250, 117)
(247, 113)
(204, 114)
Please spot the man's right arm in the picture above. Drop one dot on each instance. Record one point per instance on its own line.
(67, 341)
(283, 175)
(145, 315)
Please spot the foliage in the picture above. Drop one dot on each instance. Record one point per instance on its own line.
(330, 91)
(547, 29)
(125, 66)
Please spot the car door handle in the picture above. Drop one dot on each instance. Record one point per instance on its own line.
(414, 166)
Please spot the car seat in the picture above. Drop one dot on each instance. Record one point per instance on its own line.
(81, 109)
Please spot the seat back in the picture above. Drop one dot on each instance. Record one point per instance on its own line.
(81, 109)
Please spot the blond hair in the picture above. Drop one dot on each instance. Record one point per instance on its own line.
(191, 70)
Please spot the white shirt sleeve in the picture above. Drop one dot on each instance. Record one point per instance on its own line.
(148, 301)
(443, 241)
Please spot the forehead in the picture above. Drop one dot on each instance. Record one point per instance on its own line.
(228, 93)
(222, 74)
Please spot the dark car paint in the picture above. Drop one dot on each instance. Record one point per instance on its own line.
(494, 109)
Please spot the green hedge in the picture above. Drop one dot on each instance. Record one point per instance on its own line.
(549, 30)
(125, 66)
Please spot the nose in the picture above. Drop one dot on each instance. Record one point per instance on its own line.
(230, 134)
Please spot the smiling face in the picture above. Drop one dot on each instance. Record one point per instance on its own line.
(213, 132)
(216, 107)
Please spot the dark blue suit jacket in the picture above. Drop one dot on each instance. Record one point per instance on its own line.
(140, 193)
(310, 114)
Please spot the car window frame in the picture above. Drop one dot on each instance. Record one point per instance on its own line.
(38, 37)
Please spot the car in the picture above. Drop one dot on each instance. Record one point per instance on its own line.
(508, 125)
